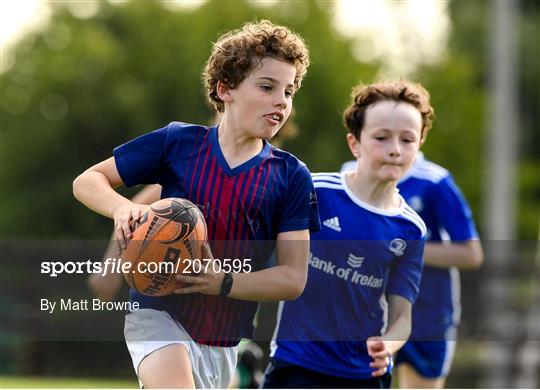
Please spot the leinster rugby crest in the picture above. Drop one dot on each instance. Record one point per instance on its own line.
(397, 246)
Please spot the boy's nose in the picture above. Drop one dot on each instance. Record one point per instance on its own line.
(394, 148)
(281, 101)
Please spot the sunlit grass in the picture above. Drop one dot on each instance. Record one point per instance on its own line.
(14, 382)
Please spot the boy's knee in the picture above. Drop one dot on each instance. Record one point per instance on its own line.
(168, 367)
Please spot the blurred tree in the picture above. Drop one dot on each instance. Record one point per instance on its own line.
(84, 86)
(469, 45)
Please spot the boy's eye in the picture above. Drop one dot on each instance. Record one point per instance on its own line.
(266, 87)
(289, 93)
(380, 138)
(408, 140)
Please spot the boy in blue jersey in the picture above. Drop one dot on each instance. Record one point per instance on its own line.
(366, 262)
(424, 361)
(248, 191)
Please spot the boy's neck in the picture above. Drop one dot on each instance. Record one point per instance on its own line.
(236, 146)
(382, 195)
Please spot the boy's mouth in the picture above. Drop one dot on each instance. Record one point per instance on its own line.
(276, 117)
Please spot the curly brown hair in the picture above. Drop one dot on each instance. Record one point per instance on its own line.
(235, 53)
(364, 96)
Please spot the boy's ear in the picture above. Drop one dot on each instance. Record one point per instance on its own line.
(354, 145)
(224, 92)
(423, 139)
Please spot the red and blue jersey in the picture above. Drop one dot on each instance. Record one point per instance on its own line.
(245, 208)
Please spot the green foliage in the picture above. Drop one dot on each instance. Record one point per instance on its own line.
(82, 87)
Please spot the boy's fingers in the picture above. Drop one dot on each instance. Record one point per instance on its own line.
(380, 354)
(379, 372)
(375, 348)
(126, 230)
(187, 290)
(379, 363)
(189, 279)
(119, 232)
(118, 247)
(207, 253)
(123, 232)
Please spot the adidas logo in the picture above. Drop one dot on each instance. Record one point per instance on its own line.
(333, 223)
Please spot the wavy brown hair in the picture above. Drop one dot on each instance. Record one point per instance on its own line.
(364, 96)
(236, 53)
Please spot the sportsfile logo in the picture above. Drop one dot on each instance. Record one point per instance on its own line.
(171, 264)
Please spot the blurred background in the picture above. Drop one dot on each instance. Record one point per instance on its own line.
(78, 78)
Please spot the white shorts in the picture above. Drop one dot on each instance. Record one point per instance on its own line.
(147, 330)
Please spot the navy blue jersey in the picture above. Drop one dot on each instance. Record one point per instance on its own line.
(361, 255)
(244, 207)
(430, 190)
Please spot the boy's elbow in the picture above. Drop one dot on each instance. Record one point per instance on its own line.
(477, 255)
(76, 187)
(296, 292)
(298, 284)
(79, 185)
(478, 260)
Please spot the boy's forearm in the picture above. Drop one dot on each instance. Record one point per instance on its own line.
(397, 335)
(467, 255)
(94, 190)
(399, 323)
(148, 195)
(279, 283)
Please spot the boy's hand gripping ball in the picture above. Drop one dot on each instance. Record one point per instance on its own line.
(164, 241)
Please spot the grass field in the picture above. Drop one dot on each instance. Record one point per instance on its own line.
(15, 382)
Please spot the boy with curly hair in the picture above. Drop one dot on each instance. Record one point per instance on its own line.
(248, 191)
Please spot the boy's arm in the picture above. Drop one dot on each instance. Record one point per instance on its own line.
(398, 331)
(95, 189)
(284, 282)
(106, 286)
(466, 255)
(464, 251)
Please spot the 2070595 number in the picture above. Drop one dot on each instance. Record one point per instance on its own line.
(197, 266)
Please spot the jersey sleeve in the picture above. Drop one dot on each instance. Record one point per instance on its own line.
(142, 160)
(453, 212)
(406, 271)
(300, 210)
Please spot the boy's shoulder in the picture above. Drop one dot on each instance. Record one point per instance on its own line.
(427, 171)
(177, 128)
(330, 177)
(408, 213)
(290, 161)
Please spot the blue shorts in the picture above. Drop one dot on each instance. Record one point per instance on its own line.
(430, 359)
(283, 375)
